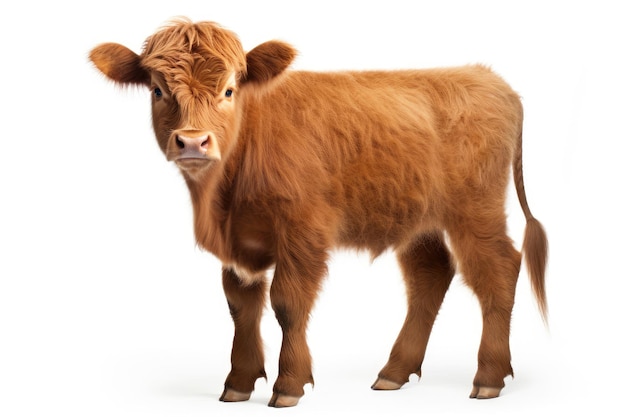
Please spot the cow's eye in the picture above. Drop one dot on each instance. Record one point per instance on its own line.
(157, 92)
(228, 93)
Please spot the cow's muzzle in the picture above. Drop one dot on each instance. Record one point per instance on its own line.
(193, 145)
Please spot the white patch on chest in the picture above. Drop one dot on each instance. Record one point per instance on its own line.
(246, 276)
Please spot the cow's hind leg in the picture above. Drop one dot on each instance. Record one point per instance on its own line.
(490, 266)
(427, 271)
(246, 304)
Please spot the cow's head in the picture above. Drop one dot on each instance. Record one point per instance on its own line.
(196, 74)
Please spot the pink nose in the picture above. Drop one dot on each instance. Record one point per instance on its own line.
(193, 147)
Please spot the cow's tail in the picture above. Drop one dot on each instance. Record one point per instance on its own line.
(535, 246)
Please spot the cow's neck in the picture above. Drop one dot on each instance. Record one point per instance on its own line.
(210, 210)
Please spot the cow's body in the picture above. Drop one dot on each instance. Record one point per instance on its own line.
(297, 163)
(375, 168)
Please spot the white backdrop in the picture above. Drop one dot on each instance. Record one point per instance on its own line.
(107, 307)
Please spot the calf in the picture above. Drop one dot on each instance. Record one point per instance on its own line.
(283, 166)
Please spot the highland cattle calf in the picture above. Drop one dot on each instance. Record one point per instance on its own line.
(283, 166)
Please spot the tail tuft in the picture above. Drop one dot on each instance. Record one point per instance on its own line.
(535, 249)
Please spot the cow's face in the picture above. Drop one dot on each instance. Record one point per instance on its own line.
(194, 111)
(196, 74)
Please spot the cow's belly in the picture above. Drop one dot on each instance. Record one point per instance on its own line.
(378, 227)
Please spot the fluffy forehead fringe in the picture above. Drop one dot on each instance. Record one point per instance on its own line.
(204, 51)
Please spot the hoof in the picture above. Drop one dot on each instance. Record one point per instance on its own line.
(484, 393)
(232, 396)
(282, 401)
(382, 384)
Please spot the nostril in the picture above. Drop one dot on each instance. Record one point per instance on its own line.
(190, 144)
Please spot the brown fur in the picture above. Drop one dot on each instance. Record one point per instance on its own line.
(301, 162)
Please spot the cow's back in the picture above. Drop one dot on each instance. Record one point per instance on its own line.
(382, 152)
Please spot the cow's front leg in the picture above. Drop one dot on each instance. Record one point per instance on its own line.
(293, 293)
(246, 302)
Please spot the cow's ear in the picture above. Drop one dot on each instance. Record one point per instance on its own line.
(268, 60)
(119, 64)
